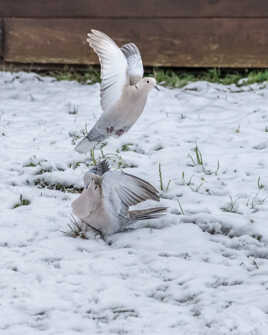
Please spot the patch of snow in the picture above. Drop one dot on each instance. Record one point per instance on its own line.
(201, 270)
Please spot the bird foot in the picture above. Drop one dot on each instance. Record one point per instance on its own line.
(109, 130)
(119, 132)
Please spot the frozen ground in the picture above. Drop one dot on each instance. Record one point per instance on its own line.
(203, 269)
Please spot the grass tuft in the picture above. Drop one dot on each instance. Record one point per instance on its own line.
(89, 76)
(198, 159)
(231, 206)
(260, 184)
(92, 156)
(76, 229)
(79, 229)
(176, 78)
(72, 109)
(172, 77)
(162, 186)
(22, 202)
(42, 183)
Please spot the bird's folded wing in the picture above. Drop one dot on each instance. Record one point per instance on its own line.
(114, 66)
(122, 190)
(135, 66)
(82, 206)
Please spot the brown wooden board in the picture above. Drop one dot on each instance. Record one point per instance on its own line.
(133, 8)
(163, 42)
(1, 38)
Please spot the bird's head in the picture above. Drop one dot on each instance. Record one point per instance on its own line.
(147, 84)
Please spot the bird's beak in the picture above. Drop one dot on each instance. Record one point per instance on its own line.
(157, 88)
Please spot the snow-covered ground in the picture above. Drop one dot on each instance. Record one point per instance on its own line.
(202, 269)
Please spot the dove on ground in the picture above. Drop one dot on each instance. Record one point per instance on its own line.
(123, 91)
(104, 203)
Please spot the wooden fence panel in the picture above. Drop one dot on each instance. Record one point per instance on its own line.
(134, 8)
(1, 38)
(163, 42)
(184, 33)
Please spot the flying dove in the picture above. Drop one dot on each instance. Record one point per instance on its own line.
(123, 93)
(104, 203)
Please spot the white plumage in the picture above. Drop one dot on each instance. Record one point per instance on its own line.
(123, 93)
(114, 68)
(105, 201)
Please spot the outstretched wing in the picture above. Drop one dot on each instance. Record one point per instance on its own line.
(114, 68)
(135, 66)
(122, 190)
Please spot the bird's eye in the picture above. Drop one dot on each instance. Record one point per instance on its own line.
(147, 81)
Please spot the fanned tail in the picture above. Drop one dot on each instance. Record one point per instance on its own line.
(147, 214)
(101, 168)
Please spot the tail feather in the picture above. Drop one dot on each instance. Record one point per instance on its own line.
(147, 214)
(85, 145)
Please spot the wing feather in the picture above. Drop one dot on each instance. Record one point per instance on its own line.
(135, 66)
(114, 67)
(123, 190)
